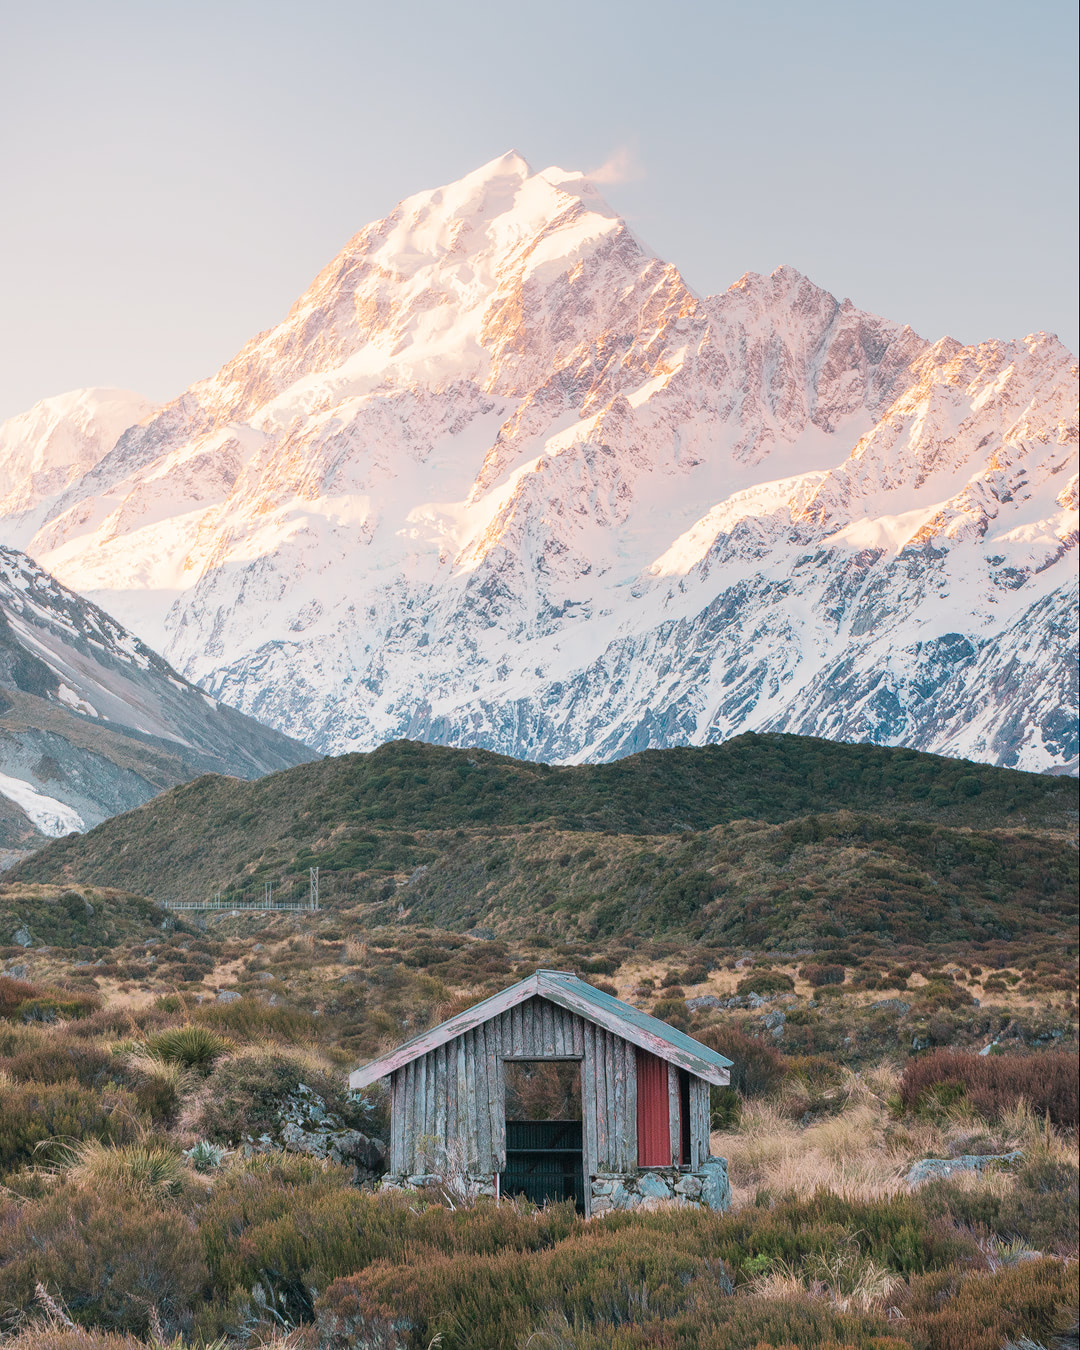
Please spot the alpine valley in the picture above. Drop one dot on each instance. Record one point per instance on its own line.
(501, 478)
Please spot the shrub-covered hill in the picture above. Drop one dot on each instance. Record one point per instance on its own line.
(365, 818)
(87, 920)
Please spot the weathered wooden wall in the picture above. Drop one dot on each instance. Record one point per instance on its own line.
(457, 1092)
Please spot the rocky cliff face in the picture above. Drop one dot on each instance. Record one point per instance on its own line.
(501, 477)
(92, 722)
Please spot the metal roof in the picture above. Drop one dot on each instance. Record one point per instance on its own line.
(604, 1010)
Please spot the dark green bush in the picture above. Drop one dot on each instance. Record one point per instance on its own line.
(58, 1061)
(245, 1095)
(1042, 1208)
(756, 1068)
(819, 975)
(948, 1310)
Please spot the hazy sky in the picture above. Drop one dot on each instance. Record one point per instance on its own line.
(173, 175)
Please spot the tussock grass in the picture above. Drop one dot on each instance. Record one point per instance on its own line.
(141, 1168)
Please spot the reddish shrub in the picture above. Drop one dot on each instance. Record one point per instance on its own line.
(983, 1312)
(993, 1083)
(110, 1259)
(16, 992)
(756, 1068)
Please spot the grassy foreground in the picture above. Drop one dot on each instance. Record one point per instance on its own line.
(133, 1210)
(852, 929)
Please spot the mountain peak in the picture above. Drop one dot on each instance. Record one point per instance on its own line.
(434, 501)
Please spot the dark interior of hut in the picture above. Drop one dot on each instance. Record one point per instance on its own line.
(544, 1131)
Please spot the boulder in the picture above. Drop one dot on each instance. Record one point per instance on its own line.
(935, 1169)
(703, 1001)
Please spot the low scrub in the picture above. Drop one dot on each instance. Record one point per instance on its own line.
(113, 1260)
(994, 1084)
(32, 1113)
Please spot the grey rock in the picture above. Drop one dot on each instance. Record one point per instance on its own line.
(227, 995)
(755, 1000)
(703, 1001)
(20, 972)
(689, 1185)
(715, 1186)
(934, 1169)
(602, 1187)
(621, 1198)
(22, 937)
(653, 1187)
(896, 1005)
(774, 1021)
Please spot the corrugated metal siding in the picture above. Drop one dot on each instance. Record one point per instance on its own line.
(653, 1138)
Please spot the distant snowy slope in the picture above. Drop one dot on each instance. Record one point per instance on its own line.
(92, 722)
(501, 477)
(44, 450)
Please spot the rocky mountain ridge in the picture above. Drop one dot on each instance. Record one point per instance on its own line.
(502, 478)
(92, 722)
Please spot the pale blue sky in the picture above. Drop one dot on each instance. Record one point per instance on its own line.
(173, 175)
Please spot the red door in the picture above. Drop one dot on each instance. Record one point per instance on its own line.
(653, 1130)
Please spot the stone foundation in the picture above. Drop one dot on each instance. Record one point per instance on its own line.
(707, 1188)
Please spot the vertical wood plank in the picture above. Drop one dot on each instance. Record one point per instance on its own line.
(612, 1115)
(496, 1109)
(429, 1096)
(630, 1143)
(410, 1120)
(395, 1124)
(563, 1037)
(590, 1142)
(603, 1137)
(619, 1102)
(674, 1115)
(699, 1093)
(441, 1122)
(579, 1034)
(462, 1103)
(451, 1090)
(529, 1013)
(548, 1022)
(483, 1098)
(421, 1098)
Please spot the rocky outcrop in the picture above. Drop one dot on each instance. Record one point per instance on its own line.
(937, 1169)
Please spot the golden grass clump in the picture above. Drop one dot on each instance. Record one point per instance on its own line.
(141, 1168)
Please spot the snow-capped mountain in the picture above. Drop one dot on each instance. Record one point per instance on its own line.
(92, 722)
(501, 477)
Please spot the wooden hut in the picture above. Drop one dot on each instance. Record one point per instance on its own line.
(644, 1130)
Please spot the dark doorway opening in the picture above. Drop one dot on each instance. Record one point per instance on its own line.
(543, 1131)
